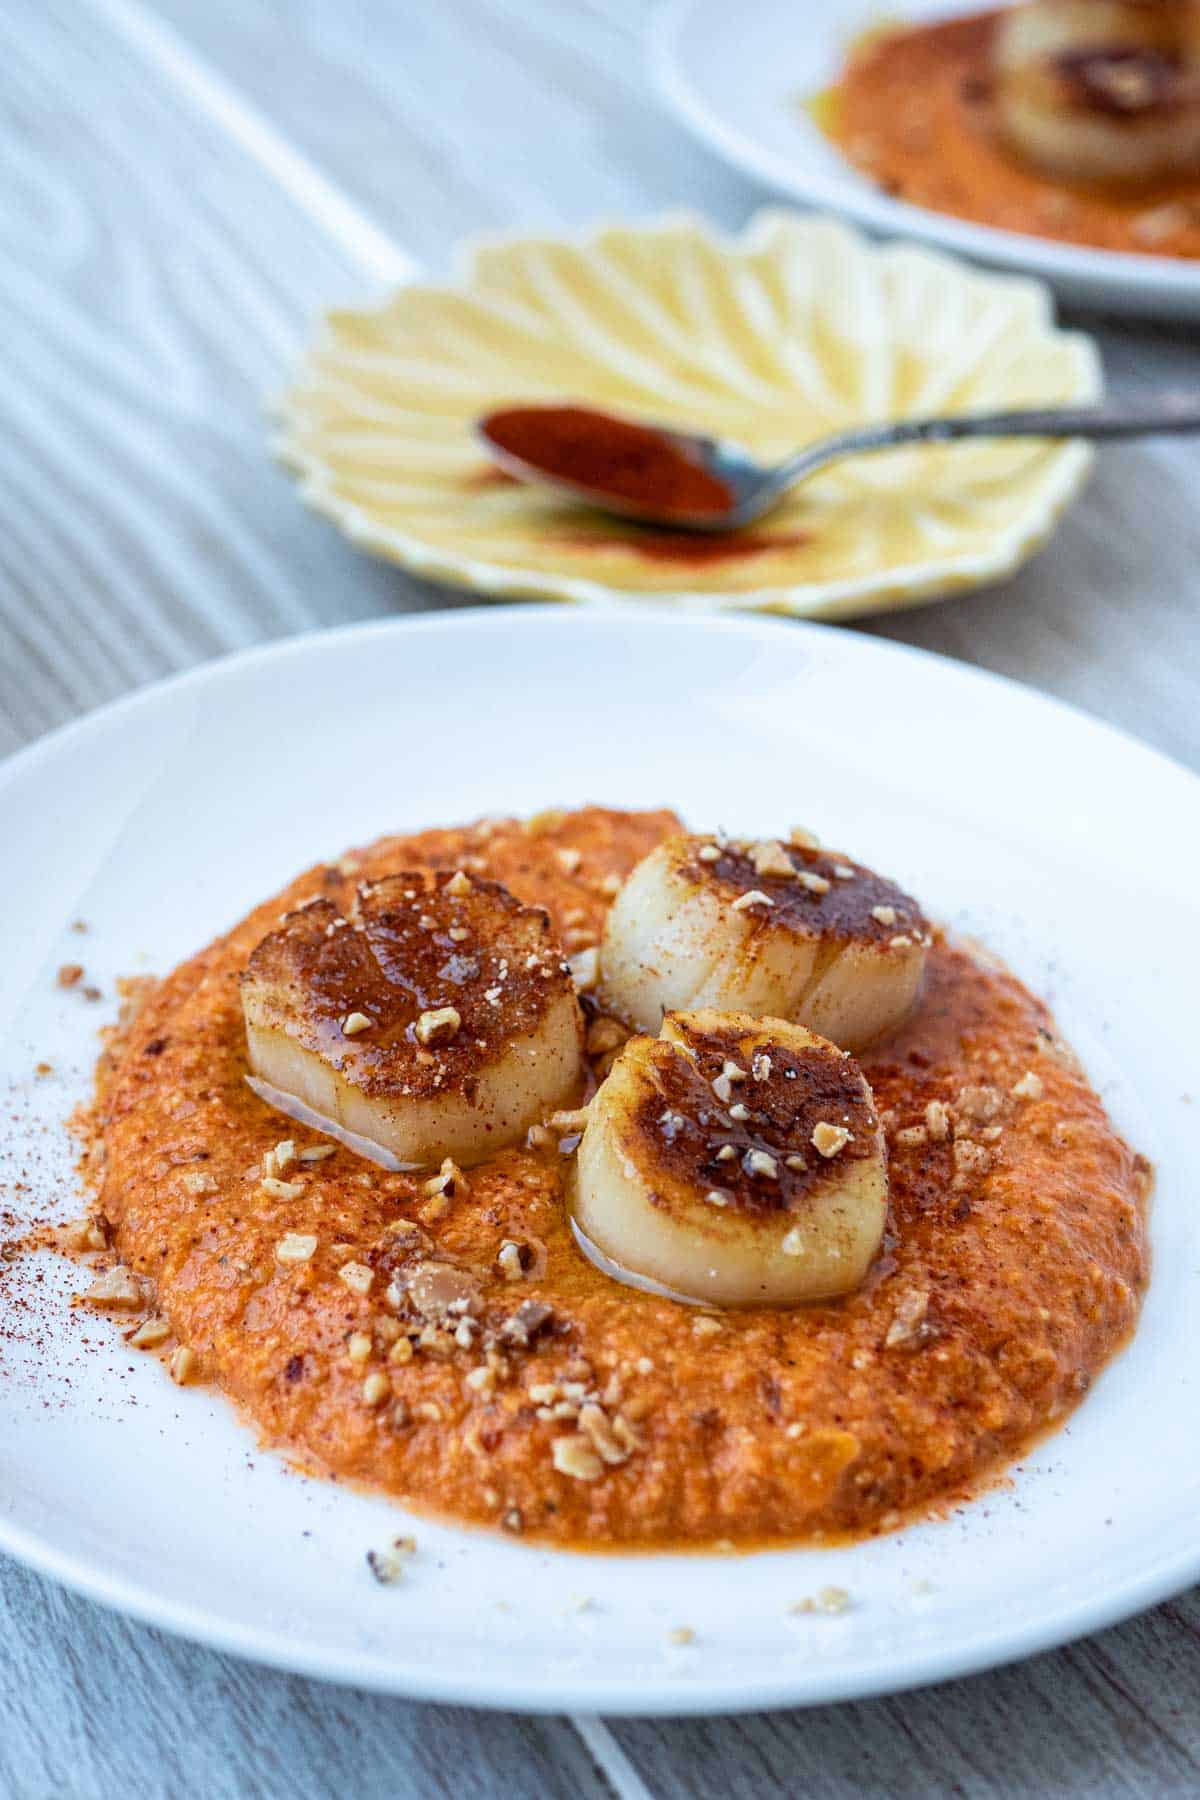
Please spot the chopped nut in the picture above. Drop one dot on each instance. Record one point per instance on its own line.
(805, 839)
(843, 871)
(575, 1456)
(448, 1180)
(901, 941)
(912, 1136)
(85, 1234)
(828, 1139)
(376, 1388)
(281, 1190)
(459, 885)
(359, 1346)
(760, 1068)
(715, 1197)
(706, 1326)
(793, 1243)
(184, 1366)
(539, 1137)
(770, 858)
(1030, 1087)
(315, 1153)
(568, 860)
(825, 1600)
(908, 1326)
(277, 1160)
(816, 884)
(886, 915)
(611, 885)
(970, 1161)
(118, 1289)
(938, 1121)
(355, 1022)
(762, 1164)
(438, 1026)
(982, 1103)
(509, 1261)
(755, 897)
(594, 1423)
(295, 1247)
(401, 1351)
(150, 1333)
(708, 853)
(198, 1181)
(357, 1276)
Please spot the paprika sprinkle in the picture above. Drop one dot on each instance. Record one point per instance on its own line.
(634, 464)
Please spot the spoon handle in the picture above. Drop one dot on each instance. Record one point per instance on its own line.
(1115, 419)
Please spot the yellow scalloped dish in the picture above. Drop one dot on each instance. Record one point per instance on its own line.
(795, 330)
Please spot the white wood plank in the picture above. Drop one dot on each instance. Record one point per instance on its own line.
(92, 1706)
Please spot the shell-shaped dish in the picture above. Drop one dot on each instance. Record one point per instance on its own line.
(797, 329)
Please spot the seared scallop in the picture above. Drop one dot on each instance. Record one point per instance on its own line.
(438, 1020)
(1101, 90)
(776, 929)
(733, 1160)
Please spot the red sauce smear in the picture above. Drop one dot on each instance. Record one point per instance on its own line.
(631, 462)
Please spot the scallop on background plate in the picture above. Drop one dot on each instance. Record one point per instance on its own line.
(190, 801)
(795, 330)
(739, 78)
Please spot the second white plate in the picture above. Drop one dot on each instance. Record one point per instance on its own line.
(738, 76)
(163, 819)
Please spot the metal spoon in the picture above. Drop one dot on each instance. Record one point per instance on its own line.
(754, 489)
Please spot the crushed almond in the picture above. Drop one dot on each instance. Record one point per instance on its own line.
(754, 897)
(357, 1276)
(938, 1121)
(184, 1366)
(575, 1455)
(886, 915)
(199, 1181)
(118, 1289)
(1030, 1087)
(315, 1153)
(438, 1025)
(150, 1333)
(770, 858)
(568, 860)
(281, 1190)
(376, 1388)
(459, 885)
(815, 884)
(355, 1022)
(762, 1164)
(295, 1247)
(827, 1139)
(509, 1261)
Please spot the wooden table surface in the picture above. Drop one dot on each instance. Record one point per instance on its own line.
(186, 183)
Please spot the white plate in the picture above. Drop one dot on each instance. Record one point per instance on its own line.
(738, 76)
(160, 820)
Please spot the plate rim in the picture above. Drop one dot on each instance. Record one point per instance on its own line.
(1128, 282)
(385, 1672)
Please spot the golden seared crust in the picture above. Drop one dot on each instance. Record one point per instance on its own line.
(690, 1114)
(356, 990)
(825, 894)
